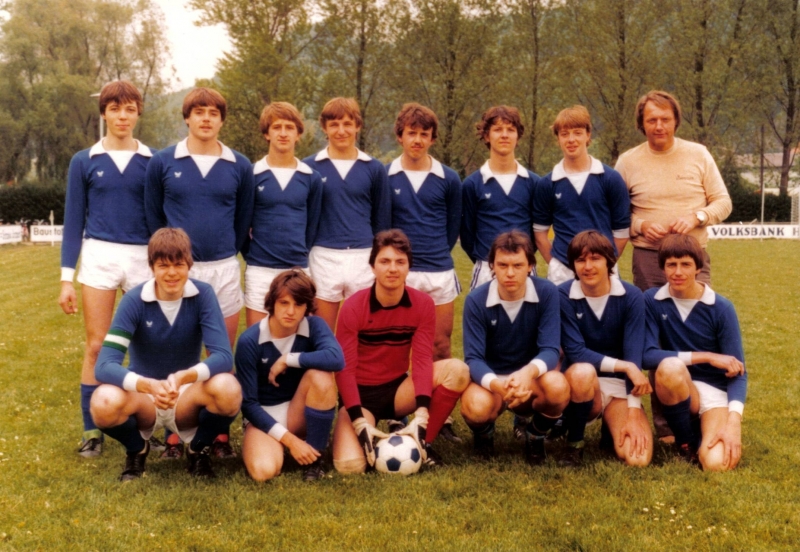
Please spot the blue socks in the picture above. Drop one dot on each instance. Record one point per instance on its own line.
(208, 427)
(86, 398)
(318, 427)
(540, 424)
(128, 434)
(679, 418)
(575, 417)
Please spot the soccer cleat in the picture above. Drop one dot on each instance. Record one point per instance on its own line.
(519, 427)
(200, 463)
(559, 430)
(134, 464)
(432, 458)
(172, 451)
(221, 448)
(156, 445)
(572, 457)
(396, 425)
(448, 434)
(314, 471)
(92, 444)
(535, 453)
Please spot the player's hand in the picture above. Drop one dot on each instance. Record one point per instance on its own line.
(417, 428)
(68, 299)
(301, 451)
(639, 438)
(641, 385)
(278, 368)
(733, 366)
(518, 385)
(730, 435)
(683, 225)
(653, 231)
(367, 434)
(162, 394)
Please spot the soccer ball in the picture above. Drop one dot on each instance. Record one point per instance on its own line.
(398, 454)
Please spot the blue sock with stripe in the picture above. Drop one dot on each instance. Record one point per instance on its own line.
(318, 427)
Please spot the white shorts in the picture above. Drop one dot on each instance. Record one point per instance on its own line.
(558, 272)
(339, 273)
(710, 396)
(280, 413)
(481, 273)
(224, 276)
(166, 418)
(612, 388)
(257, 280)
(106, 265)
(443, 287)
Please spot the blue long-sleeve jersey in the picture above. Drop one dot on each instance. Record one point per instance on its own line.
(255, 355)
(215, 210)
(285, 221)
(486, 210)
(430, 217)
(104, 203)
(603, 205)
(712, 326)
(158, 348)
(355, 208)
(494, 344)
(617, 335)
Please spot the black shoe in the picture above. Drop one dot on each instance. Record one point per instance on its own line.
(535, 454)
(688, 454)
(396, 425)
(314, 471)
(91, 445)
(572, 457)
(448, 434)
(172, 452)
(520, 422)
(134, 464)
(483, 446)
(559, 430)
(200, 463)
(432, 460)
(221, 448)
(156, 444)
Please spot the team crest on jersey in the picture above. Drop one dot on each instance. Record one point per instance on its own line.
(178, 174)
(663, 317)
(579, 315)
(494, 322)
(149, 323)
(488, 196)
(261, 188)
(100, 173)
(397, 191)
(265, 360)
(324, 179)
(558, 196)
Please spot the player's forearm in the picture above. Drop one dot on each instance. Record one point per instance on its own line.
(543, 245)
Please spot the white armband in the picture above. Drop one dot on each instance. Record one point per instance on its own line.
(277, 432)
(486, 381)
(634, 401)
(67, 274)
(130, 381)
(736, 406)
(202, 370)
(685, 357)
(293, 360)
(608, 364)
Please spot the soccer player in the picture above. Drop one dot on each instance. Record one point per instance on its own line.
(695, 344)
(580, 194)
(163, 324)
(207, 189)
(104, 223)
(511, 345)
(288, 201)
(380, 329)
(499, 196)
(285, 365)
(602, 334)
(355, 206)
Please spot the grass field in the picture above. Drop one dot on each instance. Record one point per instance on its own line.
(51, 499)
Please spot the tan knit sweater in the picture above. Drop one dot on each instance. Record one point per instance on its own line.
(666, 185)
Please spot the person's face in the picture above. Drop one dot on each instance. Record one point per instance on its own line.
(416, 142)
(282, 136)
(681, 273)
(574, 143)
(659, 126)
(342, 133)
(390, 269)
(204, 122)
(288, 313)
(591, 268)
(502, 138)
(511, 271)
(171, 277)
(121, 119)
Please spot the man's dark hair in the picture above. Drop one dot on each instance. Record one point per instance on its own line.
(391, 238)
(296, 283)
(512, 242)
(675, 246)
(590, 241)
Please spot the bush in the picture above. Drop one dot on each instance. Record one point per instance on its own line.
(32, 201)
(747, 200)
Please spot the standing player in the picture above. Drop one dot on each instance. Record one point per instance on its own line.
(511, 342)
(105, 224)
(602, 334)
(580, 194)
(355, 206)
(380, 330)
(288, 201)
(285, 365)
(164, 323)
(206, 188)
(498, 197)
(694, 342)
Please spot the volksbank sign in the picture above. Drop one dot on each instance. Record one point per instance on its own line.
(754, 231)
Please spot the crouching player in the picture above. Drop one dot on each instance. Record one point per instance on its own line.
(694, 341)
(164, 323)
(285, 365)
(380, 329)
(602, 334)
(511, 344)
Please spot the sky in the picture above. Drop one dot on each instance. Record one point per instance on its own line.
(194, 50)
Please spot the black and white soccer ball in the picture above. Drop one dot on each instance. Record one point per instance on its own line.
(398, 454)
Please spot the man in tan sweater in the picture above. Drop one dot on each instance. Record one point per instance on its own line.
(675, 188)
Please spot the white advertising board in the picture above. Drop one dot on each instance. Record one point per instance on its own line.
(46, 234)
(753, 231)
(10, 233)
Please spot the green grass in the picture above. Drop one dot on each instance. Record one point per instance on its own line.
(51, 499)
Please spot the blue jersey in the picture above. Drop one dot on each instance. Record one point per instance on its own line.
(285, 220)
(429, 216)
(487, 211)
(493, 344)
(158, 348)
(616, 335)
(215, 210)
(355, 208)
(255, 355)
(103, 202)
(711, 326)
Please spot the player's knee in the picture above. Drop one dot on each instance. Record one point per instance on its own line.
(478, 409)
(321, 382)
(263, 470)
(581, 378)
(349, 466)
(556, 388)
(455, 375)
(670, 373)
(713, 459)
(106, 401)
(226, 392)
